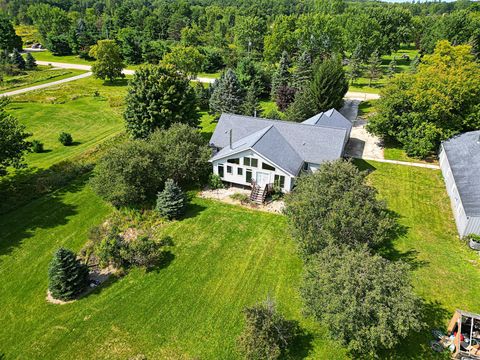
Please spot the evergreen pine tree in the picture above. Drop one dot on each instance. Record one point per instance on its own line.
(251, 107)
(374, 67)
(30, 62)
(68, 277)
(303, 71)
(171, 202)
(282, 75)
(17, 60)
(392, 68)
(302, 107)
(355, 67)
(228, 95)
(329, 85)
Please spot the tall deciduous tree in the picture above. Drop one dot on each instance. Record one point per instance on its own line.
(438, 101)
(186, 59)
(329, 85)
(13, 140)
(108, 64)
(365, 301)
(68, 277)
(158, 97)
(228, 95)
(334, 205)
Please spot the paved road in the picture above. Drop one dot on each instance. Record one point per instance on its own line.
(42, 86)
(88, 68)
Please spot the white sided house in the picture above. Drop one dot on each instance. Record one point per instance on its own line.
(261, 153)
(460, 164)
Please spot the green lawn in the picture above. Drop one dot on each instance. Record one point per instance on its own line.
(363, 84)
(444, 269)
(42, 75)
(225, 257)
(74, 108)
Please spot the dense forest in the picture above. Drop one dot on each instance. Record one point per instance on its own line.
(224, 31)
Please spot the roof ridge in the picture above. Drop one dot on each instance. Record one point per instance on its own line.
(266, 130)
(285, 122)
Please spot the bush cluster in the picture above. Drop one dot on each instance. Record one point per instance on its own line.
(134, 172)
(125, 241)
(65, 139)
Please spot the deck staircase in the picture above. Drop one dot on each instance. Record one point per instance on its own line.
(259, 194)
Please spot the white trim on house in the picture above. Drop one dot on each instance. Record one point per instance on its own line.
(240, 179)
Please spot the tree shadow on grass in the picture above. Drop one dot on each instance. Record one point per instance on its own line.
(193, 210)
(301, 345)
(116, 82)
(45, 213)
(364, 165)
(417, 344)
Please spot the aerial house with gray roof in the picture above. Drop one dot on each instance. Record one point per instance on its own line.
(460, 163)
(259, 153)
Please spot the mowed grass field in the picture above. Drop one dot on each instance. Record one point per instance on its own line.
(41, 75)
(88, 109)
(225, 258)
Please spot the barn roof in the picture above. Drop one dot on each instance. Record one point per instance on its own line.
(463, 154)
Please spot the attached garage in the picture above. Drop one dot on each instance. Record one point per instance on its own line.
(460, 164)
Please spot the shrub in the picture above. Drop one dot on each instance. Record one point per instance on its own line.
(243, 198)
(171, 202)
(37, 146)
(142, 252)
(215, 182)
(334, 205)
(266, 334)
(67, 276)
(65, 139)
(365, 301)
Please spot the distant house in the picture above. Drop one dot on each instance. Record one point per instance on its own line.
(460, 164)
(258, 152)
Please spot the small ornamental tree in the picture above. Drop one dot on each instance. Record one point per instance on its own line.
(392, 68)
(228, 95)
(18, 60)
(366, 301)
(109, 63)
(171, 202)
(374, 69)
(68, 277)
(30, 62)
(285, 96)
(266, 334)
(65, 139)
(158, 97)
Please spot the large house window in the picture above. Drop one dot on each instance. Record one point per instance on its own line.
(279, 181)
(229, 169)
(267, 167)
(250, 162)
(220, 171)
(234, 161)
(239, 171)
(248, 176)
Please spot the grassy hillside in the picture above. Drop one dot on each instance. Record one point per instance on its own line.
(88, 109)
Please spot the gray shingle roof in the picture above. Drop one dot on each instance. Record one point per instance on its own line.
(283, 142)
(463, 154)
(331, 118)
